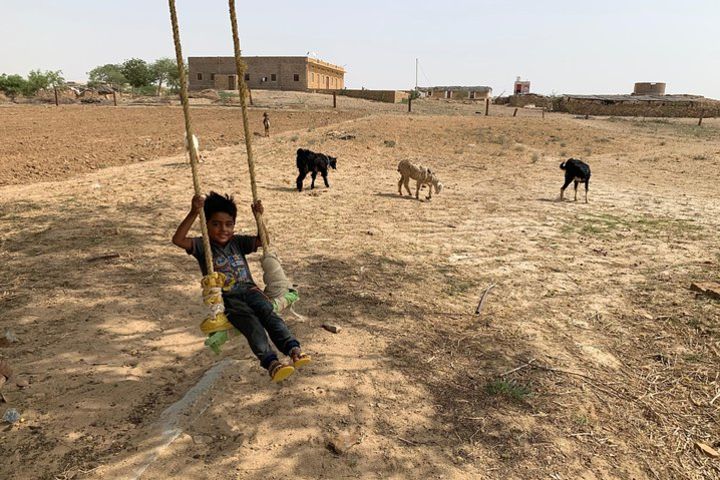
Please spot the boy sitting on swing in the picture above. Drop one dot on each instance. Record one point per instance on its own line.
(246, 306)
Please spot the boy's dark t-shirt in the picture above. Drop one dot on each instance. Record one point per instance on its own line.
(229, 260)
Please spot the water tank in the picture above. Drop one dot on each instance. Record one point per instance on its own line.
(649, 88)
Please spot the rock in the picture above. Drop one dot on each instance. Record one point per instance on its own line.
(710, 289)
(11, 416)
(5, 370)
(10, 336)
(340, 135)
(331, 328)
(707, 450)
(202, 439)
(22, 383)
(343, 442)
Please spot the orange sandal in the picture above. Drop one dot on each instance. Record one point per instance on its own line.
(279, 371)
(299, 359)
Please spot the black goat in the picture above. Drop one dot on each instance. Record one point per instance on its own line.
(575, 171)
(311, 162)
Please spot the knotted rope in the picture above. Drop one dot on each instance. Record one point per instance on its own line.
(277, 285)
(213, 282)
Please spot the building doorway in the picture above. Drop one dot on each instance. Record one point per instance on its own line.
(232, 82)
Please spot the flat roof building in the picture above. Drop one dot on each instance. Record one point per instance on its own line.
(457, 92)
(521, 87)
(266, 73)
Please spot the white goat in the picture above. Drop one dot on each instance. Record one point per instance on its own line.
(421, 175)
(196, 147)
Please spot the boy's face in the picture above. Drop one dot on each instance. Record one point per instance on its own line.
(221, 227)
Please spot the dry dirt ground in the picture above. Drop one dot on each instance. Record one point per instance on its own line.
(592, 358)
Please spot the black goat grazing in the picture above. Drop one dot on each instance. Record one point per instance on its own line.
(575, 171)
(311, 162)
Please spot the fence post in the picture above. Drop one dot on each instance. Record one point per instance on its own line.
(487, 107)
(515, 113)
(56, 96)
(250, 95)
(701, 119)
(334, 99)
(543, 113)
(114, 98)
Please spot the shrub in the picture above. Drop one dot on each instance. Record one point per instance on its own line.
(12, 85)
(507, 388)
(147, 90)
(108, 74)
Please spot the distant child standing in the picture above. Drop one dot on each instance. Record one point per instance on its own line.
(246, 306)
(266, 123)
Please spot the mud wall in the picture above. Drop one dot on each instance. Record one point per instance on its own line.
(694, 109)
(387, 96)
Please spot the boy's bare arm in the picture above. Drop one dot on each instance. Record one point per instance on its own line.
(181, 234)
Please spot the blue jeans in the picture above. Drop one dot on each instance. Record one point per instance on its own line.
(251, 312)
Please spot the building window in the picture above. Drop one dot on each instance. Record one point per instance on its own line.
(247, 77)
(199, 76)
(263, 79)
(471, 95)
(312, 76)
(296, 77)
(273, 77)
(212, 76)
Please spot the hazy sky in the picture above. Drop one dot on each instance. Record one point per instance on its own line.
(561, 46)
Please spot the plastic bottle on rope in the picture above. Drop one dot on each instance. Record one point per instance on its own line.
(216, 325)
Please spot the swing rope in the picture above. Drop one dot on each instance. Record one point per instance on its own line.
(277, 285)
(241, 68)
(213, 282)
(189, 132)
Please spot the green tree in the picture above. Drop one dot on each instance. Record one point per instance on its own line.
(165, 70)
(39, 80)
(12, 85)
(108, 74)
(137, 72)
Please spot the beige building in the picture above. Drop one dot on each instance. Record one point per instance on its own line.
(458, 93)
(266, 73)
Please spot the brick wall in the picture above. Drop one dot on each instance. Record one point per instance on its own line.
(277, 73)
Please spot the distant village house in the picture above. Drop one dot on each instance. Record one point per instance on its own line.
(458, 93)
(521, 87)
(266, 73)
